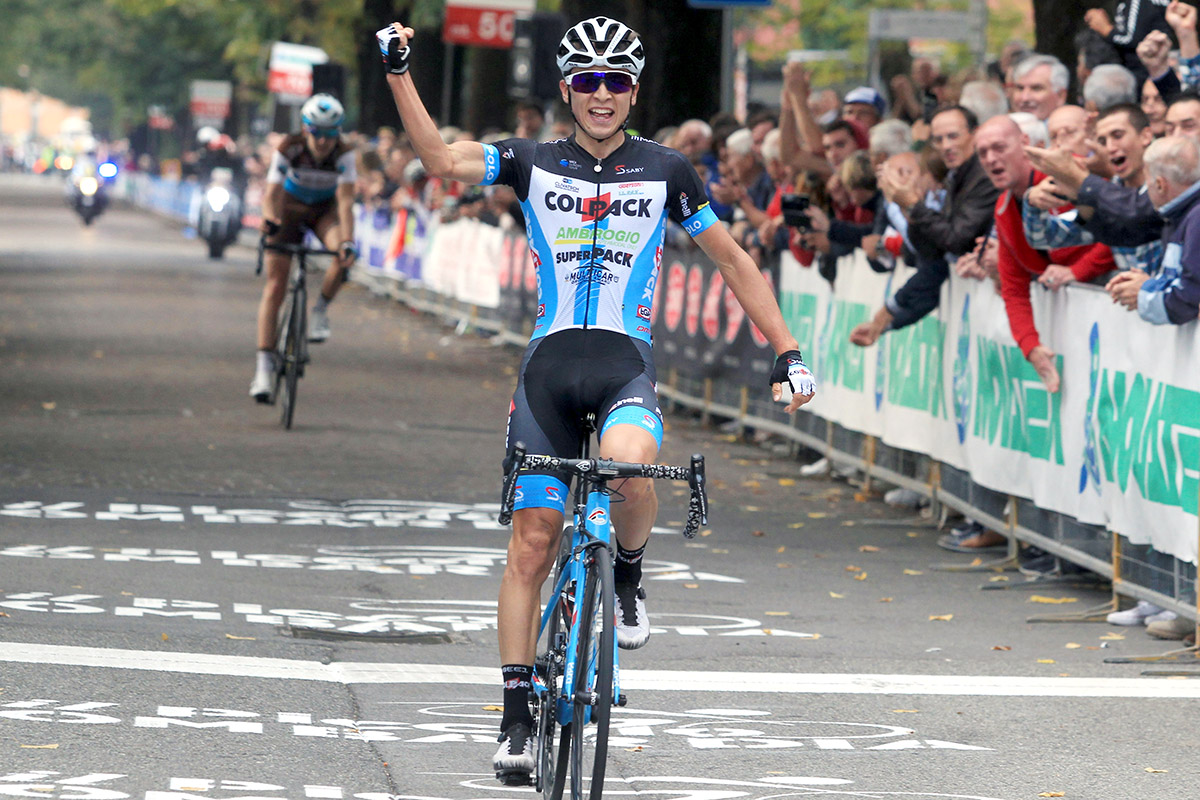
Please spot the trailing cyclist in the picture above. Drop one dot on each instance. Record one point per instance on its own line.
(596, 205)
(310, 186)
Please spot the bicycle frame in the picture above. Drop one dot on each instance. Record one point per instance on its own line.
(591, 528)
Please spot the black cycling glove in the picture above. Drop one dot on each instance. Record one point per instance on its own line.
(395, 57)
(791, 372)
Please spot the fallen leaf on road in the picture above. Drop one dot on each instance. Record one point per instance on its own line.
(637, 749)
(1152, 769)
(720, 550)
(835, 594)
(796, 525)
(750, 508)
(1051, 794)
(41, 747)
(861, 497)
(241, 638)
(782, 547)
(751, 484)
(691, 586)
(905, 711)
(3, 614)
(852, 568)
(165, 637)
(1073, 645)
(787, 481)
(913, 572)
(1113, 637)
(912, 534)
(1045, 661)
(493, 708)
(940, 617)
(1037, 598)
(757, 533)
(862, 576)
(976, 562)
(1001, 647)
(778, 613)
(784, 565)
(849, 523)
(49, 406)
(998, 579)
(817, 515)
(706, 533)
(885, 599)
(868, 548)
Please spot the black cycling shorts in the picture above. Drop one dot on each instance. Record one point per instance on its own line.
(563, 377)
(299, 217)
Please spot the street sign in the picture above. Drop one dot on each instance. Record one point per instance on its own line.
(290, 71)
(210, 102)
(485, 23)
(898, 24)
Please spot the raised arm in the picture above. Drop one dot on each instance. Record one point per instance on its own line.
(461, 161)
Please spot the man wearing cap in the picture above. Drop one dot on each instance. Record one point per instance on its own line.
(864, 105)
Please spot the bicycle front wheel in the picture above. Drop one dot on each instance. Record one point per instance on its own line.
(592, 698)
(554, 742)
(293, 355)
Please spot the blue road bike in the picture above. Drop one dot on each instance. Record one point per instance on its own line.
(577, 677)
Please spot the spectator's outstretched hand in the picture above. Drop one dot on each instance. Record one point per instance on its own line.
(796, 80)
(820, 222)
(1042, 359)
(1061, 165)
(1181, 16)
(1155, 53)
(1097, 19)
(1046, 196)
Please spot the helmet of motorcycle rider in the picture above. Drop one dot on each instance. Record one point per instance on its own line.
(206, 135)
(322, 112)
(602, 43)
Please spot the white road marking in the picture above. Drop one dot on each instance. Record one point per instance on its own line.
(643, 680)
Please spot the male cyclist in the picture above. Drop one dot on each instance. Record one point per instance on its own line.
(596, 205)
(310, 186)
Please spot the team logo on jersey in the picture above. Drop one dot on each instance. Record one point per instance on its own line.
(566, 185)
(508, 153)
(621, 169)
(594, 257)
(569, 164)
(541, 309)
(594, 209)
(684, 205)
(643, 312)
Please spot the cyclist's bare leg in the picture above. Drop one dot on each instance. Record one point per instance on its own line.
(330, 234)
(277, 266)
(634, 513)
(531, 552)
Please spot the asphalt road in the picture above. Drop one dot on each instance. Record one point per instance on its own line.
(195, 603)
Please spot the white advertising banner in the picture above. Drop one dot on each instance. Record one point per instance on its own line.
(1118, 445)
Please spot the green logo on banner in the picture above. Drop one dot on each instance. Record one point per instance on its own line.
(915, 367)
(1012, 407)
(1150, 431)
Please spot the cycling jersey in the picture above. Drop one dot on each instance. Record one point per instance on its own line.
(308, 180)
(596, 226)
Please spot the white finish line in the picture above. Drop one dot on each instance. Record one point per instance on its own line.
(645, 680)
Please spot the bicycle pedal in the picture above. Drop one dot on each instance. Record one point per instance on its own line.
(514, 777)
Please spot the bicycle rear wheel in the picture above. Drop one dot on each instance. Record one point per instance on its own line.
(293, 354)
(593, 691)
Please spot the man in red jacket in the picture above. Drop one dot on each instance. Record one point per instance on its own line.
(999, 144)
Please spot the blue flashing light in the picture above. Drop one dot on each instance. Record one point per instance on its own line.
(107, 170)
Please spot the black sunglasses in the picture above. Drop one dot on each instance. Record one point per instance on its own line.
(588, 82)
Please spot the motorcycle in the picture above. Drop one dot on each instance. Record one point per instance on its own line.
(220, 213)
(88, 197)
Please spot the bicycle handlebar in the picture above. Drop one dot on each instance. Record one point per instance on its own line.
(291, 249)
(606, 469)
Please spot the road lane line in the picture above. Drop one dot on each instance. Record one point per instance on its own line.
(643, 680)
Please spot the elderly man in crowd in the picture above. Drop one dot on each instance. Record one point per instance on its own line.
(1039, 85)
(1173, 184)
(936, 234)
(999, 144)
(1108, 85)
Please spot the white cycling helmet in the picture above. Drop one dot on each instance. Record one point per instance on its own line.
(601, 42)
(322, 111)
(207, 134)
